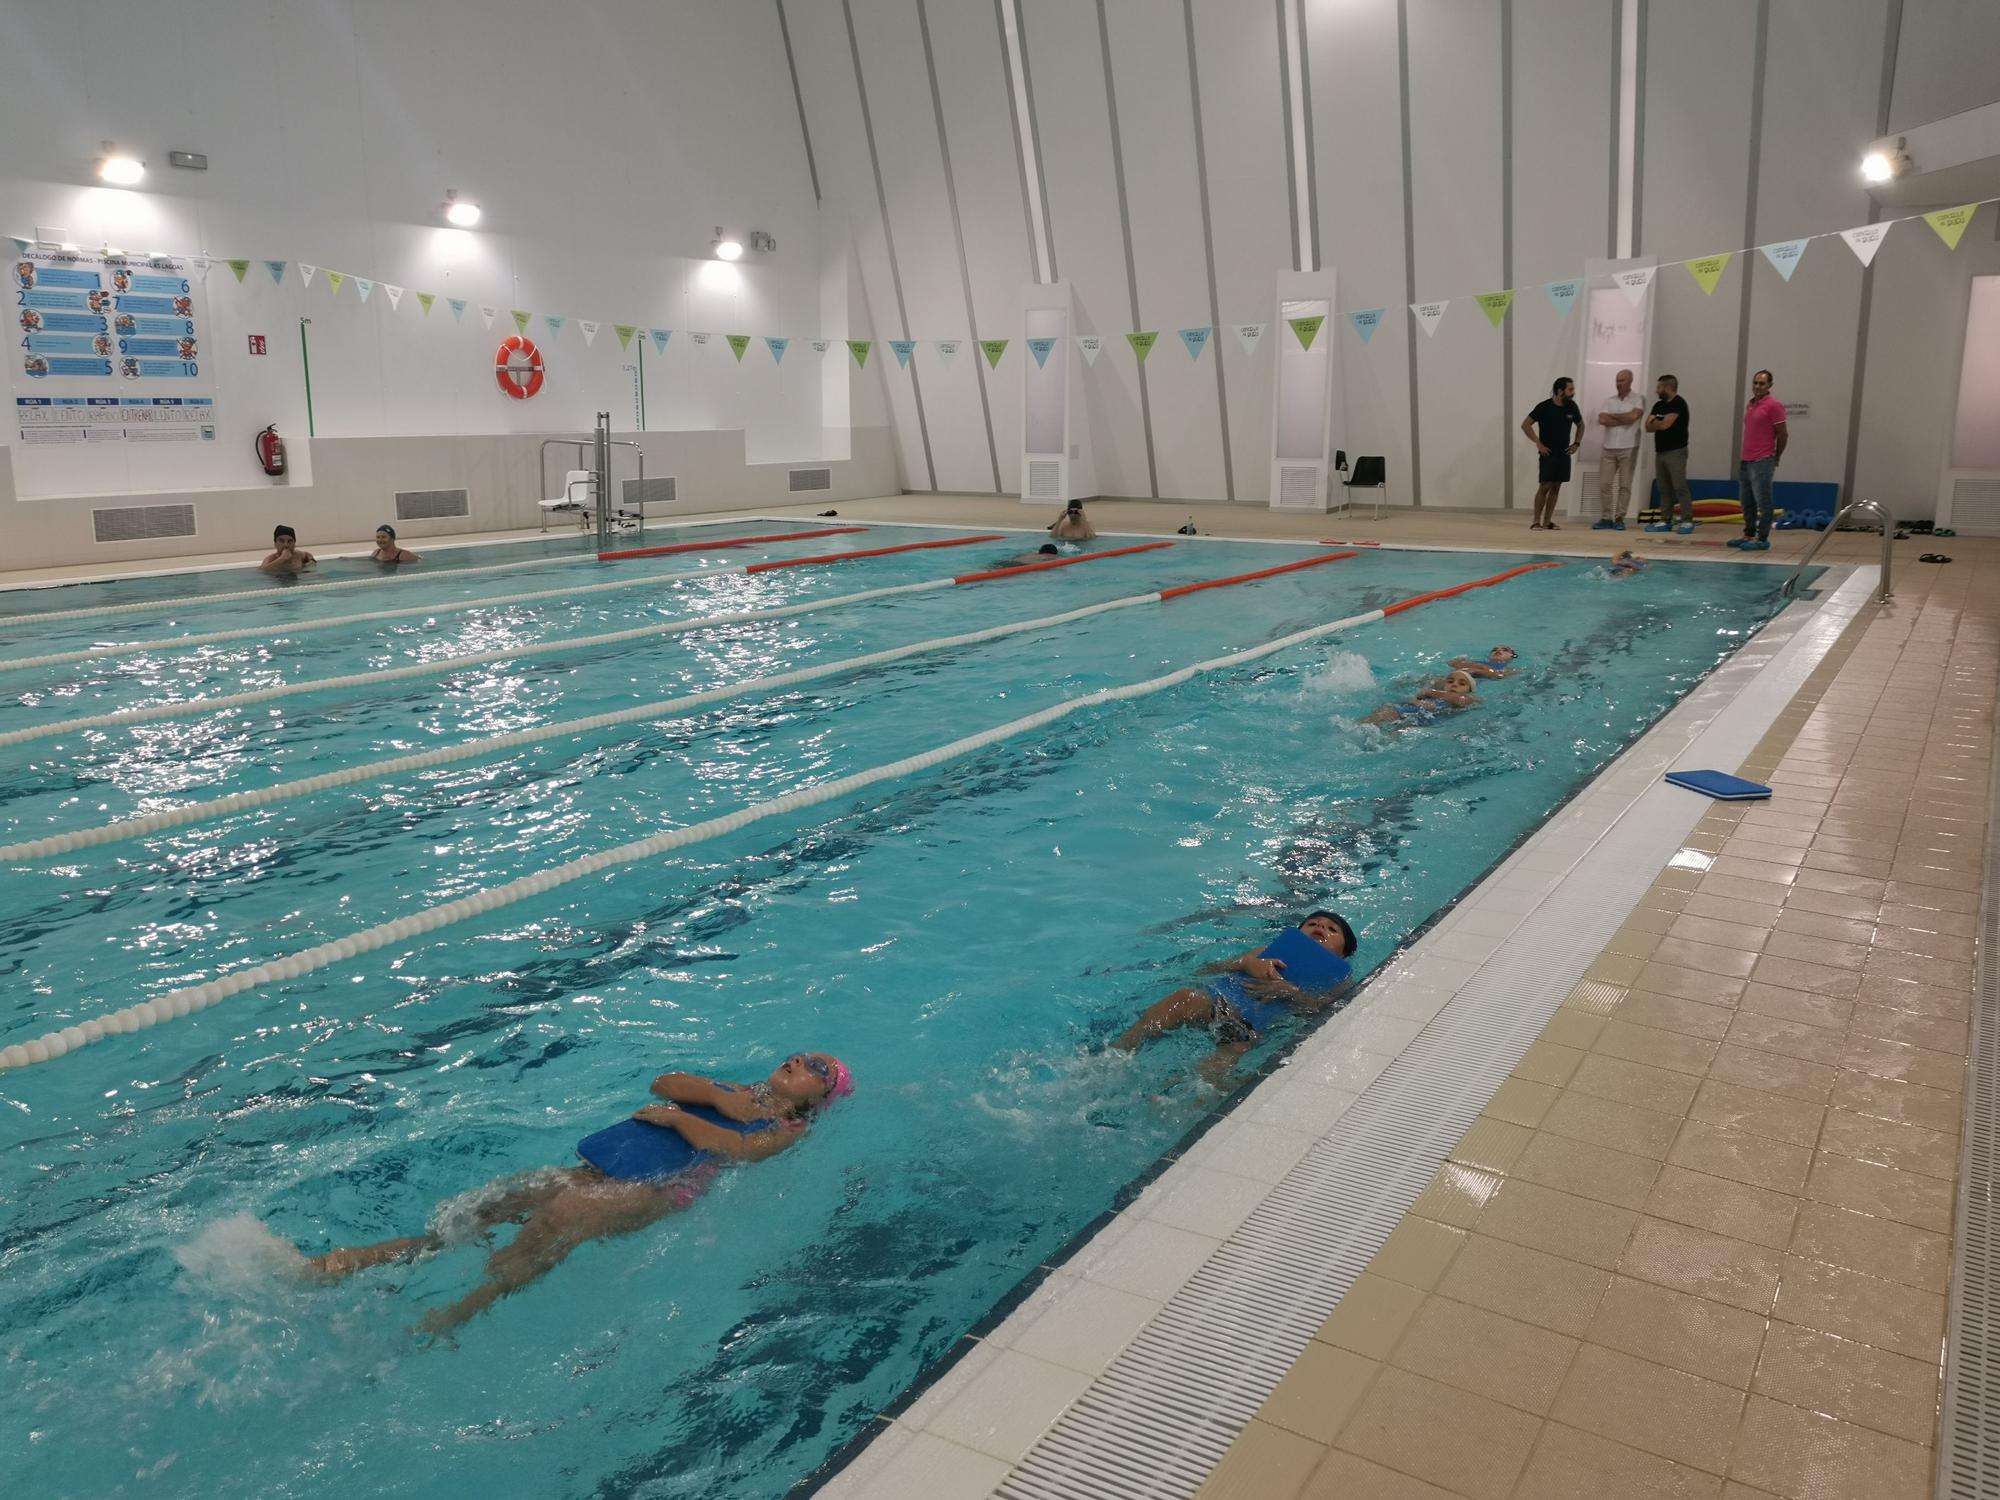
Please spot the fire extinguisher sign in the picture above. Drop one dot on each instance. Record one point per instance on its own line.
(257, 343)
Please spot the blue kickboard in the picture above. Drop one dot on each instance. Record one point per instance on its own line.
(1307, 965)
(1719, 785)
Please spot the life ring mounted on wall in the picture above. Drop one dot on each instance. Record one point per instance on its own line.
(518, 367)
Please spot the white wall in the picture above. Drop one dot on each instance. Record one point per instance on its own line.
(1821, 89)
(605, 141)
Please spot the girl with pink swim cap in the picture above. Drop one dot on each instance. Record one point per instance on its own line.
(560, 1208)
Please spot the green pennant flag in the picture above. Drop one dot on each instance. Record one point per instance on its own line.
(1495, 305)
(993, 349)
(334, 280)
(1142, 344)
(625, 332)
(426, 299)
(859, 349)
(1950, 222)
(521, 320)
(738, 342)
(1708, 269)
(240, 267)
(1307, 330)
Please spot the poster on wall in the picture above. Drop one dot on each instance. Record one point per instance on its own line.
(108, 349)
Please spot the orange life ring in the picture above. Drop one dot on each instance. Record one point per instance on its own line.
(508, 373)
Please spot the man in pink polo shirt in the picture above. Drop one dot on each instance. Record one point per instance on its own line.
(1763, 445)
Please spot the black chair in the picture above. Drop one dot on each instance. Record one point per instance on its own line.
(1369, 473)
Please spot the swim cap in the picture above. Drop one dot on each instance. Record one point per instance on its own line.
(843, 1081)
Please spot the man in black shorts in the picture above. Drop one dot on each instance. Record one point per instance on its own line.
(1555, 427)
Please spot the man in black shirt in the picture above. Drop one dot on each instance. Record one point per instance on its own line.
(1668, 422)
(1555, 427)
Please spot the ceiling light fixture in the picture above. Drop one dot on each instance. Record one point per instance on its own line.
(1885, 161)
(119, 169)
(460, 211)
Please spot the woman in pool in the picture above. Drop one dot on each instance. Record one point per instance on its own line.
(1447, 695)
(387, 550)
(560, 1208)
(1238, 1009)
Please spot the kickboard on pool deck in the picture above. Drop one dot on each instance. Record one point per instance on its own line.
(1720, 785)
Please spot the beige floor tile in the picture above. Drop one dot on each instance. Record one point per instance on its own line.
(1544, 1062)
(1706, 1338)
(1619, 1127)
(1857, 1383)
(1530, 1286)
(1635, 1084)
(1886, 1099)
(1961, 950)
(1719, 933)
(1790, 1076)
(1832, 903)
(1594, 996)
(1907, 994)
(1815, 978)
(1571, 1465)
(1342, 1476)
(1559, 1223)
(1516, 1364)
(1910, 1148)
(1614, 968)
(1264, 1463)
(1417, 1252)
(1446, 1437)
(1671, 1050)
(1757, 1112)
(1457, 1195)
(1690, 984)
(1929, 920)
(1687, 1017)
(1647, 1406)
(1873, 1245)
(1904, 1064)
(1521, 1103)
(1730, 1208)
(1753, 914)
(1708, 958)
(1818, 950)
(1739, 1156)
(1796, 1005)
(1824, 878)
(1936, 1033)
(1912, 966)
(1703, 1264)
(1370, 1317)
(1319, 1392)
(1587, 1170)
(1633, 942)
(1767, 1033)
(1651, 919)
(1735, 888)
(1571, 1026)
(1911, 893)
(1853, 1305)
(1759, 870)
(1492, 1144)
(1803, 1455)
(1801, 922)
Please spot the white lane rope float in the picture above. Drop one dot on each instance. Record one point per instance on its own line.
(196, 812)
(191, 998)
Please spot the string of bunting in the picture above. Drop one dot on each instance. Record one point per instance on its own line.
(1864, 240)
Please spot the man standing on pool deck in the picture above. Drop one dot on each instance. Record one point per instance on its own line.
(1619, 417)
(1763, 445)
(1555, 427)
(1668, 424)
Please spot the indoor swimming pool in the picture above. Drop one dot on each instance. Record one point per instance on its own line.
(967, 936)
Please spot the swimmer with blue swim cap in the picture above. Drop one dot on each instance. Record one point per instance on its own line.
(1303, 969)
(1501, 661)
(657, 1162)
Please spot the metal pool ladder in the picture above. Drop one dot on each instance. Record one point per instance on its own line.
(1882, 519)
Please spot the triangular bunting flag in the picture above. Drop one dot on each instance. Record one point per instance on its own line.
(306, 273)
(240, 267)
(624, 332)
(993, 349)
(521, 319)
(859, 349)
(428, 300)
(1633, 283)
(277, 270)
(1366, 322)
(1950, 222)
(948, 351)
(700, 340)
(1142, 344)
(820, 346)
(1195, 340)
(1090, 345)
(1040, 348)
(903, 349)
(1707, 271)
(457, 306)
(363, 286)
(1307, 329)
(1428, 314)
(1865, 239)
(1249, 335)
(660, 337)
(395, 296)
(1562, 295)
(1495, 305)
(555, 322)
(201, 263)
(777, 347)
(21, 246)
(588, 328)
(1784, 256)
(738, 342)
(488, 312)
(336, 280)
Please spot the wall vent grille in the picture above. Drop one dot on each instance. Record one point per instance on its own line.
(1298, 489)
(1045, 479)
(432, 505)
(142, 523)
(643, 492)
(1975, 505)
(811, 479)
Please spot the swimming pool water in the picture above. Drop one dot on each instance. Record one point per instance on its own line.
(967, 938)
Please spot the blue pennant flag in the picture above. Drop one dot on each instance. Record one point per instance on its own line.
(1365, 323)
(777, 348)
(1040, 349)
(555, 322)
(1562, 294)
(276, 268)
(660, 337)
(904, 349)
(1784, 256)
(458, 305)
(1196, 340)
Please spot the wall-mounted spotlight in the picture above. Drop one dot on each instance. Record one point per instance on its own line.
(462, 212)
(726, 246)
(118, 168)
(1885, 161)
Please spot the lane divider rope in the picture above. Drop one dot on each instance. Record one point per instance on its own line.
(1057, 562)
(191, 998)
(138, 606)
(776, 563)
(748, 541)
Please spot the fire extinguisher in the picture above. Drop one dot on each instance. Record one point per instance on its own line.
(271, 451)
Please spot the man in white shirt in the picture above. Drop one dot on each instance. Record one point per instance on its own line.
(1619, 416)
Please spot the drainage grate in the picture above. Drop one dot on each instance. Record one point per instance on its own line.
(431, 505)
(1969, 1466)
(811, 479)
(141, 523)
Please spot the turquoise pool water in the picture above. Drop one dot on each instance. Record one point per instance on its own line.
(967, 938)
